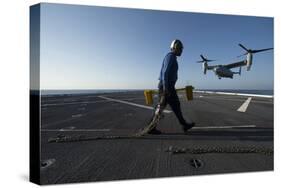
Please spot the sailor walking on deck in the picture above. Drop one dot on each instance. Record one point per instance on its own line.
(167, 92)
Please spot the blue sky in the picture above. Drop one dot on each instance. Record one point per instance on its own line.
(87, 47)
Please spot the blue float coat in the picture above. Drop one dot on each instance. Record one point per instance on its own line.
(169, 71)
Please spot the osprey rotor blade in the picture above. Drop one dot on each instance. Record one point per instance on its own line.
(243, 47)
(203, 58)
(262, 50)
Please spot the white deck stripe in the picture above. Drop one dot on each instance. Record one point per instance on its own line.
(74, 130)
(133, 104)
(226, 127)
(81, 102)
(71, 103)
(245, 105)
(233, 99)
(239, 94)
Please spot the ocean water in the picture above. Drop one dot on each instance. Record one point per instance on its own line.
(100, 91)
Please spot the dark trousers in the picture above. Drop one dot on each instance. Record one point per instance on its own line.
(173, 100)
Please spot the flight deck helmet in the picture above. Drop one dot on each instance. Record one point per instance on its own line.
(177, 47)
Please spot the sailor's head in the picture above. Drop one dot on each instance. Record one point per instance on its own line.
(177, 47)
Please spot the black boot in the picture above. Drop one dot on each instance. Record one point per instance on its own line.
(188, 126)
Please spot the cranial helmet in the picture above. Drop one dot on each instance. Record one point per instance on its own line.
(176, 44)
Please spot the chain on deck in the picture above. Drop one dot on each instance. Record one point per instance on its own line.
(172, 149)
(233, 149)
(154, 122)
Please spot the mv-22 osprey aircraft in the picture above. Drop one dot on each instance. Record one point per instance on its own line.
(224, 70)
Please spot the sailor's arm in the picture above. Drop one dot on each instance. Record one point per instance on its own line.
(167, 69)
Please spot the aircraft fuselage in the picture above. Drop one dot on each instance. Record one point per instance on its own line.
(222, 71)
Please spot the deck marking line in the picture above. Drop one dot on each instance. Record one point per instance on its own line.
(226, 127)
(74, 130)
(71, 103)
(82, 103)
(245, 105)
(76, 115)
(238, 94)
(133, 104)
